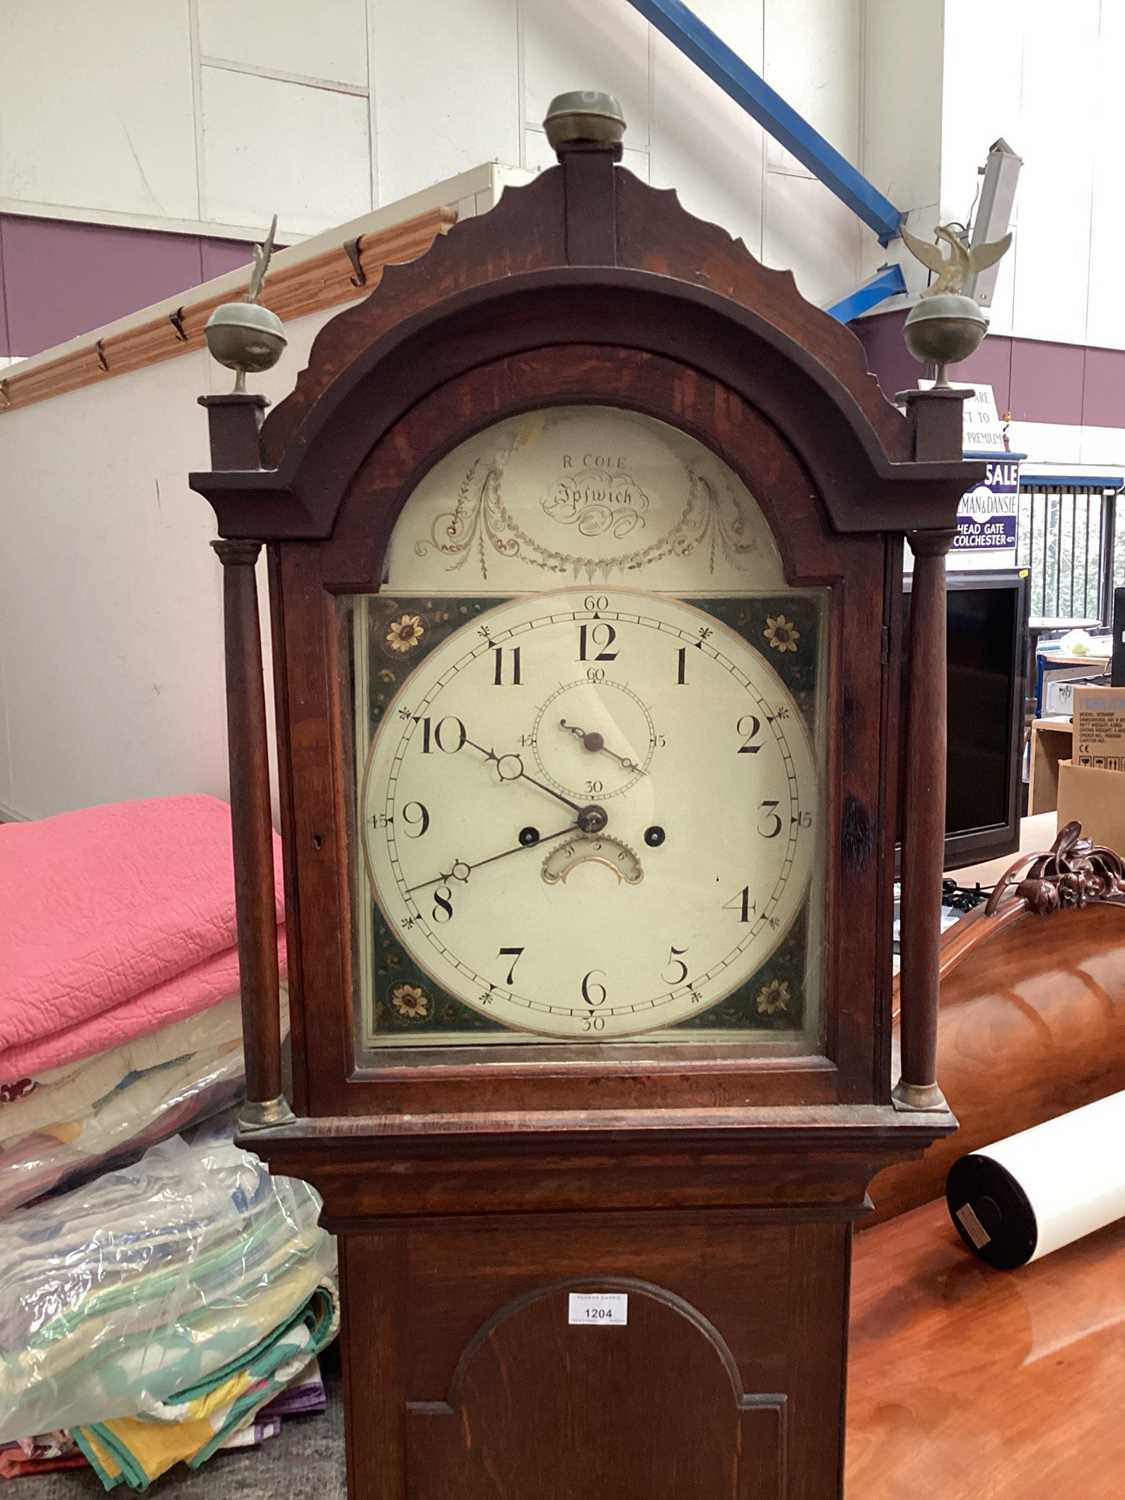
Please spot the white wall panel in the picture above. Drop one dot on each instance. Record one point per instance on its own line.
(1104, 445)
(446, 89)
(703, 144)
(110, 608)
(1056, 183)
(812, 57)
(97, 106)
(586, 44)
(270, 146)
(900, 149)
(809, 232)
(982, 100)
(538, 154)
(7, 800)
(325, 40)
(1102, 112)
(1047, 442)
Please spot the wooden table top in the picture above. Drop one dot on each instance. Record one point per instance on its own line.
(995, 1385)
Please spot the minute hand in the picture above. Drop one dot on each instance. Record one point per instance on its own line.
(499, 759)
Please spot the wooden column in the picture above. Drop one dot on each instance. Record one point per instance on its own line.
(252, 829)
(937, 419)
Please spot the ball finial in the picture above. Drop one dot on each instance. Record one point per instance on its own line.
(584, 117)
(946, 325)
(943, 330)
(245, 336)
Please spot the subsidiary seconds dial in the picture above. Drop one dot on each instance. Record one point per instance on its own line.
(591, 815)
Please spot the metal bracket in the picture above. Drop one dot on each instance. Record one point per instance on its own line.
(177, 321)
(351, 250)
(888, 281)
(99, 350)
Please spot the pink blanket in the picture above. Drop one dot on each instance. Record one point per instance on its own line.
(114, 921)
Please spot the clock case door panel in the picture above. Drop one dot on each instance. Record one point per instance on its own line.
(857, 925)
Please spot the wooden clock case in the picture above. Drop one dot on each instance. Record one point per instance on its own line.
(717, 1189)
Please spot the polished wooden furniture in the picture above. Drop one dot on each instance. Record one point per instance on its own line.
(472, 1195)
(1031, 1025)
(975, 1384)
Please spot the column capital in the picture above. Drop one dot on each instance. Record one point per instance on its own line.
(237, 552)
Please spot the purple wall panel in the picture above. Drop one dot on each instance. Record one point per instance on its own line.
(1047, 381)
(221, 256)
(887, 355)
(990, 365)
(898, 370)
(1103, 393)
(5, 348)
(64, 279)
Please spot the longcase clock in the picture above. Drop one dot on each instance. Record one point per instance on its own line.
(585, 538)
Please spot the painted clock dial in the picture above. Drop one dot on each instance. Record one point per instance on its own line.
(590, 814)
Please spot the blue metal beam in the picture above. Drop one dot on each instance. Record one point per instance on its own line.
(889, 282)
(685, 30)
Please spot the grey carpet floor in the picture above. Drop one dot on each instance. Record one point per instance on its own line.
(304, 1462)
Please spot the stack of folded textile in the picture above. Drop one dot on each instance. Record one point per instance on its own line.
(119, 1013)
(58, 1450)
(161, 1313)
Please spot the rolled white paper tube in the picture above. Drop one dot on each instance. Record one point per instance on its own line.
(1018, 1200)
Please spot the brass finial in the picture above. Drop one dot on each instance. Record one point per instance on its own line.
(584, 117)
(945, 326)
(245, 336)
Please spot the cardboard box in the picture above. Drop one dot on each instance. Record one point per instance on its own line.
(1095, 798)
(1099, 728)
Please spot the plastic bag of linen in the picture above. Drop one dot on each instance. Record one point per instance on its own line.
(153, 1313)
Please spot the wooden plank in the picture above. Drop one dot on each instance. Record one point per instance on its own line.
(310, 286)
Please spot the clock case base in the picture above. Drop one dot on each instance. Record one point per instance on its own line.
(461, 1240)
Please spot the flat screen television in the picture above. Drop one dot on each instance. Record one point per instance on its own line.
(987, 669)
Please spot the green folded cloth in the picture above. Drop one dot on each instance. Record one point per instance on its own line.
(191, 1424)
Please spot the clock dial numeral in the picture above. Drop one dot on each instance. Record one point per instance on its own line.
(515, 954)
(675, 961)
(595, 601)
(593, 1023)
(447, 735)
(588, 989)
(443, 904)
(594, 786)
(417, 821)
(681, 667)
(512, 672)
(597, 639)
(769, 824)
(742, 904)
(750, 727)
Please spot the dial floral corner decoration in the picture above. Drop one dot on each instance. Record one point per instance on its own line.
(410, 1001)
(773, 998)
(405, 633)
(782, 633)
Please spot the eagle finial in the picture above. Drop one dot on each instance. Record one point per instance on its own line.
(262, 256)
(960, 265)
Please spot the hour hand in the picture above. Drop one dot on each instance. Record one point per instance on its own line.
(592, 740)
